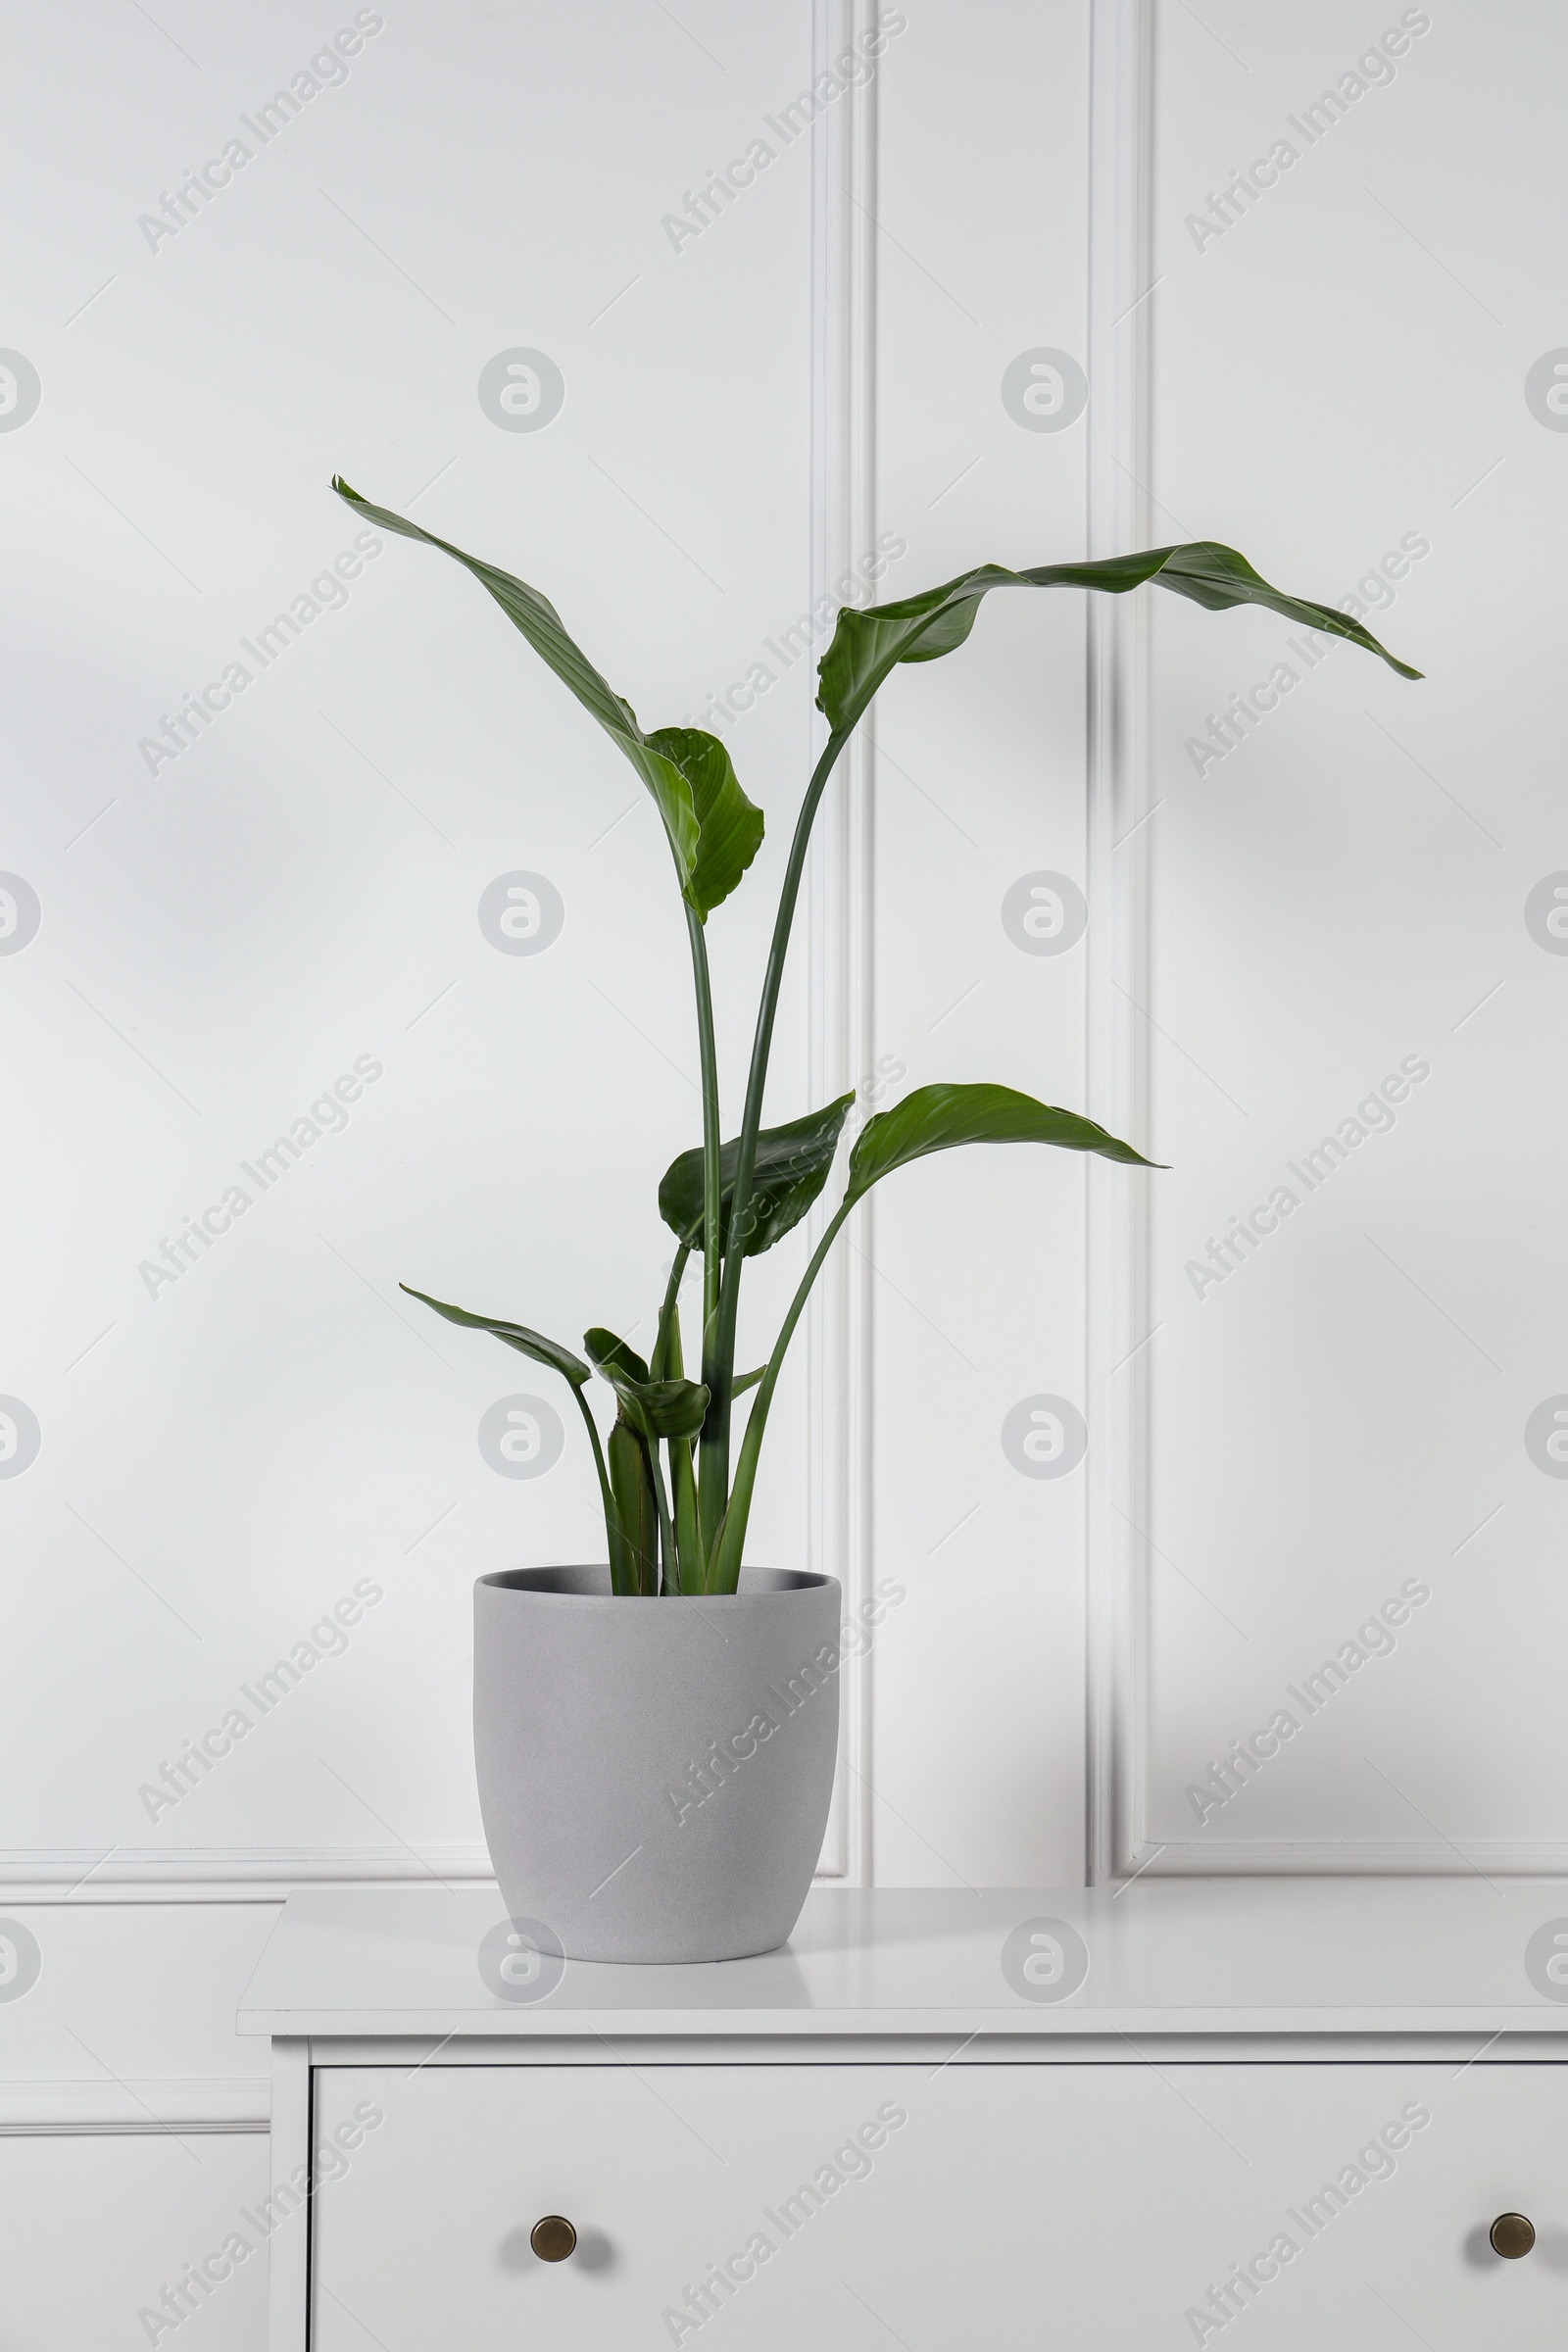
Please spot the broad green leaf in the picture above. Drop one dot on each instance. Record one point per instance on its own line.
(867, 645)
(791, 1167)
(713, 829)
(516, 1335)
(936, 1117)
(655, 1408)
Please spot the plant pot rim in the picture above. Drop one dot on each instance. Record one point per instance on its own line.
(792, 1584)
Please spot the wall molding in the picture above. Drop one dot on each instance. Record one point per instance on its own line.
(838, 892)
(1120, 302)
(260, 1873)
(1350, 1857)
(144, 2106)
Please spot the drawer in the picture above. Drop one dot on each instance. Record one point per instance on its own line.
(856, 2207)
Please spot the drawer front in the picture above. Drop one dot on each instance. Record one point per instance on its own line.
(856, 2207)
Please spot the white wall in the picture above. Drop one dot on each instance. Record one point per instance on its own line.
(744, 417)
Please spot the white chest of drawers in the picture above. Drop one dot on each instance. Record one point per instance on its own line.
(1284, 2115)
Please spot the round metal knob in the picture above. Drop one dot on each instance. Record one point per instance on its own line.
(1512, 2235)
(554, 2238)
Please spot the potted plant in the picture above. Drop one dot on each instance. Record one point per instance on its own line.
(654, 1781)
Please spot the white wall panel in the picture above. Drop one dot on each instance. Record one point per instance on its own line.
(107, 2226)
(298, 889)
(1339, 387)
(976, 1258)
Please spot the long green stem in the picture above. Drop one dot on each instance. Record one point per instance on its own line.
(719, 1357)
(726, 1562)
(659, 1361)
(689, 1557)
(683, 1504)
(713, 1476)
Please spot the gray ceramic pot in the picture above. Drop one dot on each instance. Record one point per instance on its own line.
(655, 1775)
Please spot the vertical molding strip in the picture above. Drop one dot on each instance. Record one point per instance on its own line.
(1120, 239)
(838, 883)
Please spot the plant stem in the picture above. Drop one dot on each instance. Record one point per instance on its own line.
(725, 1559)
(683, 1504)
(659, 1361)
(614, 1537)
(714, 1469)
(689, 1561)
(718, 1352)
(710, 1133)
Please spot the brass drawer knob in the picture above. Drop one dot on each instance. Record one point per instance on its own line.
(1512, 2235)
(554, 2238)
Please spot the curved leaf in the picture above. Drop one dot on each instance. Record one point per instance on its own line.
(934, 1118)
(867, 644)
(516, 1335)
(712, 828)
(655, 1408)
(791, 1167)
(729, 826)
(608, 1354)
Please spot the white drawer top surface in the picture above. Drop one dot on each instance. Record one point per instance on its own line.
(1182, 1956)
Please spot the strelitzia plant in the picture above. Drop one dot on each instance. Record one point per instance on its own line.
(675, 1508)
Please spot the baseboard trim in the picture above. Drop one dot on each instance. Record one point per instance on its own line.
(1348, 1858)
(224, 1874)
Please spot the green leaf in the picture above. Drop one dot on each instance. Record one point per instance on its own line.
(608, 1354)
(791, 1167)
(655, 1408)
(934, 1118)
(631, 1478)
(713, 829)
(867, 645)
(515, 1335)
(729, 826)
